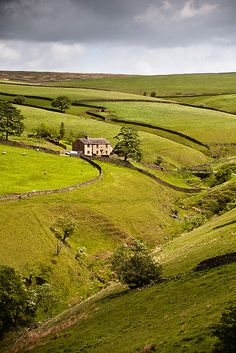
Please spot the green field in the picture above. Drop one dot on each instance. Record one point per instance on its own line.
(107, 213)
(221, 102)
(176, 315)
(204, 125)
(174, 153)
(214, 238)
(72, 93)
(165, 85)
(24, 170)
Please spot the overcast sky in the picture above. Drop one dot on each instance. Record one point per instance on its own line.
(118, 36)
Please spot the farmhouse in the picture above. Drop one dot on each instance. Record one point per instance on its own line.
(92, 146)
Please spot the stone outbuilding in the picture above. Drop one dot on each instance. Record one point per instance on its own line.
(92, 146)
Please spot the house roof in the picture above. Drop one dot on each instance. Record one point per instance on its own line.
(94, 141)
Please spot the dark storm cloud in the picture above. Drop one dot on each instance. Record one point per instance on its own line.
(150, 23)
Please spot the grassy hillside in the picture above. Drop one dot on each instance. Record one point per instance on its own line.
(172, 316)
(164, 85)
(204, 125)
(152, 145)
(124, 204)
(72, 93)
(221, 102)
(216, 237)
(25, 170)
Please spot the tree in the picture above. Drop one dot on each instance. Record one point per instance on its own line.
(62, 131)
(14, 303)
(10, 120)
(19, 100)
(225, 330)
(44, 298)
(129, 144)
(153, 94)
(134, 265)
(62, 102)
(45, 131)
(64, 228)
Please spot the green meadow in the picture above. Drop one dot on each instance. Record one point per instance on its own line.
(24, 170)
(163, 85)
(173, 152)
(222, 102)
(97, 314)
(205, 125)
(74, 94)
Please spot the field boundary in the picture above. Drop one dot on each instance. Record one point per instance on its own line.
(26, 195)
(95, 114)
(129, 165)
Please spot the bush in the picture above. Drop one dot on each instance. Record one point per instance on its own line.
(19, 100)
(135, 266)
(45, 131)
(225, 331)
(153, 94)
(224, 174)
(193, 222)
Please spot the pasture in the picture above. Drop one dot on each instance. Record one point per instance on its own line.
(205, 125)
(75, 94)
(152, 145)
(123, 205)
(222, 102)
(164, 85)
(24, 170)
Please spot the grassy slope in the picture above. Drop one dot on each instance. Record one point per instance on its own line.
(222, 102)
(205, 125)
(173, 152)
(24, 170)
(123, 204)
(214, 238)
(163, 85)
(72, 93)
(175, 315)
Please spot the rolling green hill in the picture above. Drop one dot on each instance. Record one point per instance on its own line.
(100, 315)
(173, 315)
(107, 213)
(24, 170)
(222, 102)
(204, 125)
(72, 93)
(175, 153)
(164, 85)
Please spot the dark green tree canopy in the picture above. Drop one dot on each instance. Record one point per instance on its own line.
(128, 145)
(11, 120)
(135, 266)
(225, 331)
(14, 300)
(62, 102)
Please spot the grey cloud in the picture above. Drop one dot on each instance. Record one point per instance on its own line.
(149, 23)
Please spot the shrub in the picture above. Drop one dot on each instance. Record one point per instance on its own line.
(193, 222)
(153, 94)
(225, 331)
(134, 265)
(19, 100)
(45, 131)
